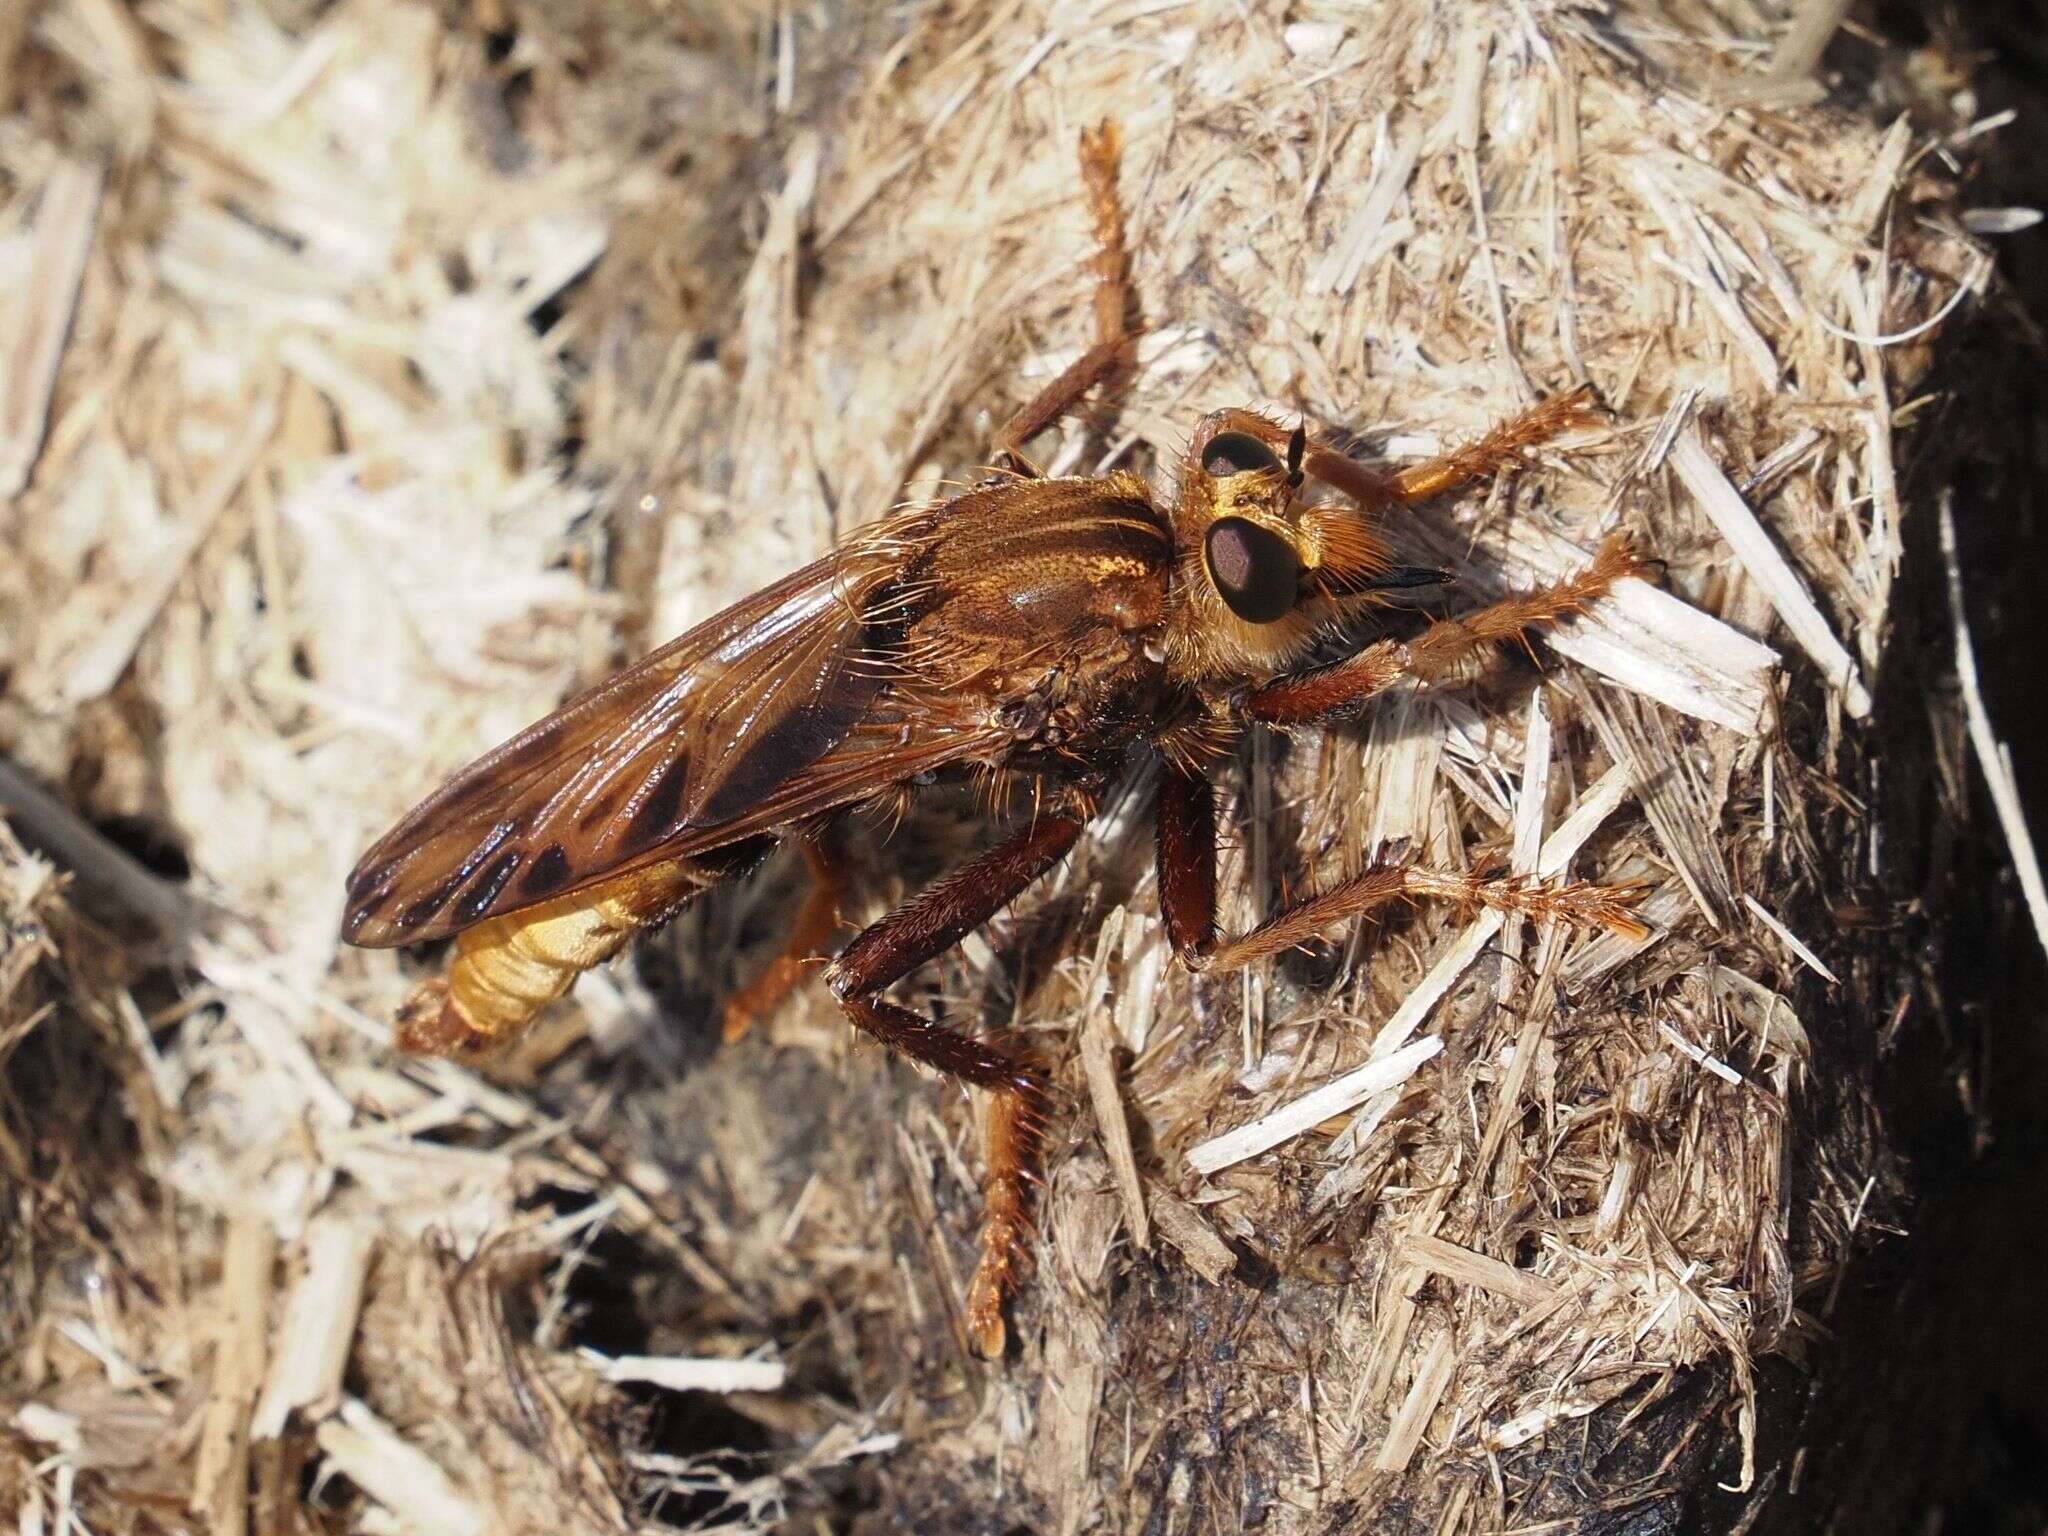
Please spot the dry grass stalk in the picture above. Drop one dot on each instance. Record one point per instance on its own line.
(1992, 757)
(221, 1472)
(1464, 1267)
(418, 1494)
(1720, 500)
(1105, 1098)
(319, 1325)
(679, 1375)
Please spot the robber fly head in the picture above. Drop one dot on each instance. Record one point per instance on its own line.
(1265, 554)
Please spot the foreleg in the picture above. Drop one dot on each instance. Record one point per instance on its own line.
(1506, 444)
(1439, 651)
(1376, 489)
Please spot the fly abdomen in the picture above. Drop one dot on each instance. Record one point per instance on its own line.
(507, 969)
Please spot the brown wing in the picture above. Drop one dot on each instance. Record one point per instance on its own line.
(775, 709)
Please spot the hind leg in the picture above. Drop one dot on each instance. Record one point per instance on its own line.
(815, 924)
(1107, 362)
(921, 929)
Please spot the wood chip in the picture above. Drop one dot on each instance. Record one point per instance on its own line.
(1530, 808)
(1789, 939)
(319, 1325)
(1182, 1225)
(1310, 1110)
(220, 1477)
(1071, 1401)
(1098, 1061)
(1464, 1267)
(1716, 495)
(1411, 1420)
(94, 668)
(1698, 1054)
(39, 318)
(677, 1373)
(398, 1475)
(1345, 262)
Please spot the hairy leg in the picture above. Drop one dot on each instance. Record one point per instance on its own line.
(1187, 886)
(1378, 489)
(921, 929)
(1108, 361)
(1499, 448)
(1574, 902)
(1437, 653)
(816, 922)
(1186, 828)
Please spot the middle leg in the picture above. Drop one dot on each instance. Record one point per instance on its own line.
(921, 929)
(1187, 890)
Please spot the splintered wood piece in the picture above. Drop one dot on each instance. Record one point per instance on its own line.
(1105, 1094)
(1718, 498)
(1182, 1225)
(319, 1325)
(1411, 1420)
(398, 1474)
(1310, 1110)
(39, 315)
(220, 1476)
(1464, 1267)
(678, 1373)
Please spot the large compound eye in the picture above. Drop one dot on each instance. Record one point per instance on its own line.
(1256, 570)
(1232, 453)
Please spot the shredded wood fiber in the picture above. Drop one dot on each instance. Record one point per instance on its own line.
(376, 373)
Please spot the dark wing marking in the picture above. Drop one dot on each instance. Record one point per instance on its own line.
(757, 717)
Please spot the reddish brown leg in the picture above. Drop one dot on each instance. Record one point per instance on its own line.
(1187, 861)
(1187, 890)
(1187, 817)
(921, 929)
(1499, 448)
(1108, 361)
(1439, 650)
(815, 925)
(1573, 902)
(1376, 489)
